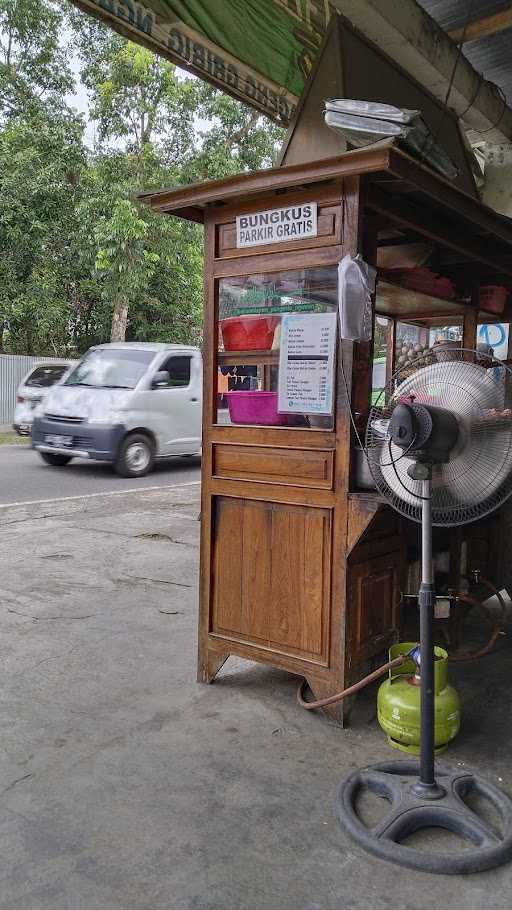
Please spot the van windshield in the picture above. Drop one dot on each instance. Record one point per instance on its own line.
(106, 368)
(43, 377)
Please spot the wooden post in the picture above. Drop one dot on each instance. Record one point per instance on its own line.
(390, 349)
(470, 323)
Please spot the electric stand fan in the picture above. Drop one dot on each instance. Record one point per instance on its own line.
(439, 446)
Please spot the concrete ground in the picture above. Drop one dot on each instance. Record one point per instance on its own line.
(125, 785)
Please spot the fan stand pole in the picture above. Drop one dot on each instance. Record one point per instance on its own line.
(419, 794)
(427, 787)
(425, 803)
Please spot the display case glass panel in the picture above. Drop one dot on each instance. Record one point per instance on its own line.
(419, 344)
(276, 354)
(381, 340)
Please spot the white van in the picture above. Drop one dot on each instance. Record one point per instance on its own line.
(33, 388)
(127, 404)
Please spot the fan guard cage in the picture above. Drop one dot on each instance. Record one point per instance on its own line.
(478, 477)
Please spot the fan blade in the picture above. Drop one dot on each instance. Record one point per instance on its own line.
(478, 476)
(463, 388)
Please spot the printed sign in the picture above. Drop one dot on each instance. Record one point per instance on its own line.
(294, 222)
(259, 51)
(495, 334)
(306, 363)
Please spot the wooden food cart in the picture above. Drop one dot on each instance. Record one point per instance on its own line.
(301, 568)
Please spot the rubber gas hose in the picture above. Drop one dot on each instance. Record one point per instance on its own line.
(339, 696)
(496, 622)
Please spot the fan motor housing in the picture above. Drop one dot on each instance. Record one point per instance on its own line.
(429, 433)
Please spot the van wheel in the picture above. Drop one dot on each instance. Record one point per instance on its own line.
(58, 461)
(136, 456)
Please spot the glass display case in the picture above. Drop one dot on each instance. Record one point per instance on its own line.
(276, 344)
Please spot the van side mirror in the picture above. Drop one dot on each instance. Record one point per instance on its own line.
(160, 380)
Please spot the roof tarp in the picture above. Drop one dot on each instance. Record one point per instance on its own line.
(260, 51)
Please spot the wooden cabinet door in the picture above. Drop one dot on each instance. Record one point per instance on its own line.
(271, 577)
(373, 598)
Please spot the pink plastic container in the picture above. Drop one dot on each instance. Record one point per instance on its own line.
(259, 408)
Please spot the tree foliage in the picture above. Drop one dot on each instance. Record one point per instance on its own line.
(34, 70)
(80, 259)
(236, 137)
(41, 165)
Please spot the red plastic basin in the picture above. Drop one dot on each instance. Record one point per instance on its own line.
(248, 333)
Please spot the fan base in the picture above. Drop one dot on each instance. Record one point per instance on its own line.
(413, 809)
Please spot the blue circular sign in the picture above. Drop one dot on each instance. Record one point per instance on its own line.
(492, 333)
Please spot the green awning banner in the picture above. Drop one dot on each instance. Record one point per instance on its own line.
(259, 51)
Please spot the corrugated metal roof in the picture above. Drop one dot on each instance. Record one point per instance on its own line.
(451, 14)
(491, 56)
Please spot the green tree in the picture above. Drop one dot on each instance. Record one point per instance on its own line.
(34, 69)
(137, 100)
(171, 306)
(80, 259)
(161, 128)
(236, 138)
(41, 165)
(126, 262)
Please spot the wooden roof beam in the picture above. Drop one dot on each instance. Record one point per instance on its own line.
(186, 201)
(482, 28)
(400, 211)
(419, 177)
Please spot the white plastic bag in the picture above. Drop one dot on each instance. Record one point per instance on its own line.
(356, 284)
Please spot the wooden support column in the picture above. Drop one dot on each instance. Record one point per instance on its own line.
(390, 348)
(363, 351)
(470, 324)
(348, 357)
(209, 662)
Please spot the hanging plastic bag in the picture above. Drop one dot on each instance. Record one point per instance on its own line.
(356, 284)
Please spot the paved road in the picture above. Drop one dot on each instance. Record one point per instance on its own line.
(25, 478)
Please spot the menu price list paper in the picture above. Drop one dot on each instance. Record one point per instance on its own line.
(306, 363)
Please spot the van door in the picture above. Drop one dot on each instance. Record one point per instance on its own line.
(178, 405)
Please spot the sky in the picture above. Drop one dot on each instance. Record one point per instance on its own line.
(78, 99)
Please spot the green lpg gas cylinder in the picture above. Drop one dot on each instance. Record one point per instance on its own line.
(398, 703)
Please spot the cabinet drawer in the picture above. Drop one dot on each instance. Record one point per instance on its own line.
(297, 467)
